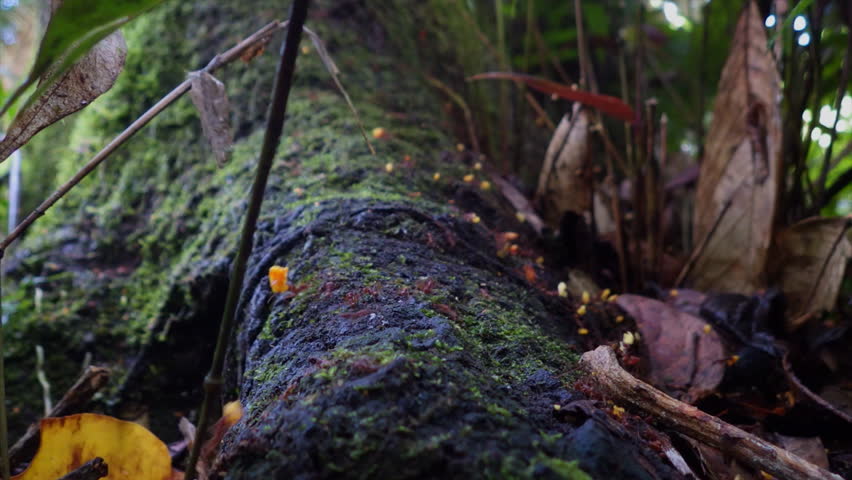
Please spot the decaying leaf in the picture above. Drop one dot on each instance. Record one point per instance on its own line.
(211, 100)
(93, 75)
(741, 171)
(130, 450)
(685, 360)
(810, 263)
(563, 184)
(75, 27)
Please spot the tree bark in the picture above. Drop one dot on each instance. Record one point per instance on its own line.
(408, 348)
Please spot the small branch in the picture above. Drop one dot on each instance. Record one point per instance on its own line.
(92, 470)
(4, 425)
(623, 388)
(74, 401)
(677, 98)
(545, 52)
(519, 202)
(272, 137)
(42, 380)
(539, 110)
(802, 389)
(840, 183)
(699, 117)
(459, 101)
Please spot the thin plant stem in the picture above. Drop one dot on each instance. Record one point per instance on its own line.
(699, 117)
(504, 89)
(4, 432)
(278, 107)
(459, 101)
(546, 53)
(587, 74)
(821, 199)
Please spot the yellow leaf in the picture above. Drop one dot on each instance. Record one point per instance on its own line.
(129, 449)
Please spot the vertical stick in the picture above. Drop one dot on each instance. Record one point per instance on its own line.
(275, 124)
(4, 439)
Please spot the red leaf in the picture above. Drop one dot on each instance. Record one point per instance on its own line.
(609, 105)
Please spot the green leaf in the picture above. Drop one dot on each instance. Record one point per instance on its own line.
(795, 12)
(76, 26)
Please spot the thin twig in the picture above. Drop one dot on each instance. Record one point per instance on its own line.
(539, 110)
(699, 117)
(42, 380)
(842, 181)
(519, 202)
(678, 99)
(545, 52)
(459, 101)
(506, 134)
(587, 74)
(277, 109)
(92, 470)
(614, 382)
(661, 197)
(841, 91)
(652, 184)
(4, 431)
(259, 37)
(332, 69)
(699, 249)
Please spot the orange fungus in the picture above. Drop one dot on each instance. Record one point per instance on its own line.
(278, 279)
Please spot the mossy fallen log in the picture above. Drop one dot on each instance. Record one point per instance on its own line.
(409, 349)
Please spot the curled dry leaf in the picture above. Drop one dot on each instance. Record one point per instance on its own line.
(685, 361)
(741, 171)
(93, 75)
(211, 100)
(563, 184)
(810, 263)
(129, 449)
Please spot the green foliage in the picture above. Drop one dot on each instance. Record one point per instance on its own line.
(76, 26)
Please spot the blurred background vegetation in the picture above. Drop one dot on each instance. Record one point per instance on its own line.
(669, 51)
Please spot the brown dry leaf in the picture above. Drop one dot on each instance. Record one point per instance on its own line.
(130, 450)
(741, 171)
(715, 465)
(806, 448)
(810, 263)
(563, 184)
(685, 361)
(210, 99)
(93, 75)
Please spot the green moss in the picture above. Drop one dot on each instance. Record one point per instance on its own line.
(568, 470)
(163, 206)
